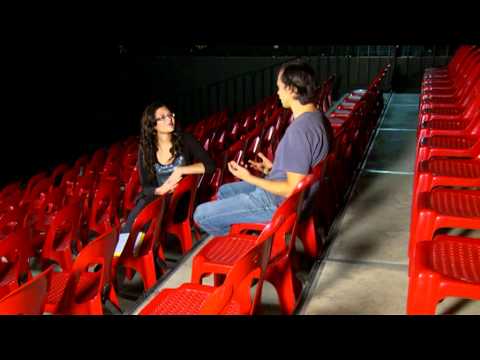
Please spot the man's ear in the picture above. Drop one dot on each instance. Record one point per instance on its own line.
(294, 91)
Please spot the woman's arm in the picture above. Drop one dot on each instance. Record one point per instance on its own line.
(199, 156)
(180, 171)
(192, 150)
(197, 168)
(148, 187)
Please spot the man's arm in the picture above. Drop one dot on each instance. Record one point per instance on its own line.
(278, 187)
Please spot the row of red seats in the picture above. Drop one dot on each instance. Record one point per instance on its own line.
(256, 129)
(446, 181)
(55, 212)
(144, 262)
(229, 258)
(78, 291)
(89, 202)
(44, 195)
(91, 199)
(200, 128)
(93, 288)
(323, 95)
(244, 258)
(107, 195)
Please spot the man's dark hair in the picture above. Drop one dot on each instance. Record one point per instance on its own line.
(301, 77)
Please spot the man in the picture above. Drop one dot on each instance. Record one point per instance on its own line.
(304, 144)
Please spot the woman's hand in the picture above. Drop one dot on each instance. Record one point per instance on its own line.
(165, 188)
(238, 170)
(175, 176)
(171, 183)
(265, 166)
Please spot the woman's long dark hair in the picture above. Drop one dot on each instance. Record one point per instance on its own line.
(148, 138)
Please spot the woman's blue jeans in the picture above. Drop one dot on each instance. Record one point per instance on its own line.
(237, 202)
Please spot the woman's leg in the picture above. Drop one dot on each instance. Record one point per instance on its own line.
(127, 226)
(216, 217)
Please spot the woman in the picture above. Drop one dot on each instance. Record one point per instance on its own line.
(165, 155)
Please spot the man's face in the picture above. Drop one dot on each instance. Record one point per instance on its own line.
(284, 93)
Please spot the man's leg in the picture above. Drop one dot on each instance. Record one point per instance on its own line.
(235, 188)
(216, 217)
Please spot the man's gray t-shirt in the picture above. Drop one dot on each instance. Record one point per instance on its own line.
(304, 145)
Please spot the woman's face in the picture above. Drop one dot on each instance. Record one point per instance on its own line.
(165, 120)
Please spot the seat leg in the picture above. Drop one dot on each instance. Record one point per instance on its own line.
(197, 274)
(308, 236)
(186, 237)
(422, 294)
(146, 268)
(113, 298)
(288, 287)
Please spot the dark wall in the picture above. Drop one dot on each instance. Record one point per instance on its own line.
(191, 94)
(66, 99)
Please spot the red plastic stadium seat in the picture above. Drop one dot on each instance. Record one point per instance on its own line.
(28, 299)
(233, 296)
(104, 210)
(443, 208)
(219, 255)
(16, 248)
(132, 189)
(447, 172)
(180, 211)
(63, 232)
(446, 266)
(82, 290)
(142, 260)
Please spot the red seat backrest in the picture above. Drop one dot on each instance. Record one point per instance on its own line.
(239, 279)
(97, 252)
(63, 230)
(28, 299)
(185, 194)
(151, 215)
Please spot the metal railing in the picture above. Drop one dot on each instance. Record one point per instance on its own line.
(235, 93)
(354, 67)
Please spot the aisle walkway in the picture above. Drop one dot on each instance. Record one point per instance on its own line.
(365, 268)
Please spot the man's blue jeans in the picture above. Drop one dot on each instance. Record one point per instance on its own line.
(237, 202)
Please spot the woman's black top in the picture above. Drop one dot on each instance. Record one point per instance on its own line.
(192, 152)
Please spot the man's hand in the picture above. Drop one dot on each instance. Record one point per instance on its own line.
(264, 166)
(238, 170)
